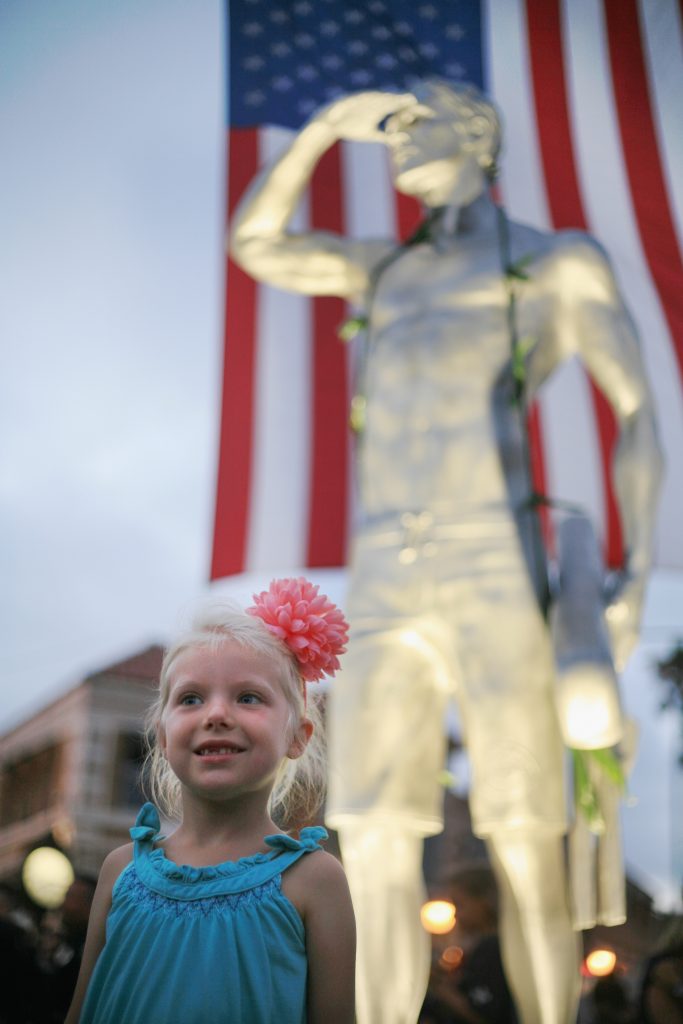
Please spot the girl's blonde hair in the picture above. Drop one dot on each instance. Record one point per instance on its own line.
(299, 787)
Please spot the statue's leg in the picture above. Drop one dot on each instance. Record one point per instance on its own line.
(582, 874)
(387, 750)
(517, 797)
(611, 875)
(611, 879)
(383, 864)
(596, 862)
(540, 949)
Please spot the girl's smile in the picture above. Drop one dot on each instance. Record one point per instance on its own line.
(215, 749)
(218, 752)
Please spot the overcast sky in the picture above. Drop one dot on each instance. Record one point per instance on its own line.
(111, 241)
(111, 234)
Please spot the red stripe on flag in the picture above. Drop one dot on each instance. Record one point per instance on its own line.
(643, 163)
(236, 431)
(328, 499)
(613, 549)
(408, 215)
(552, 114)
(566, 206)
(538, 474)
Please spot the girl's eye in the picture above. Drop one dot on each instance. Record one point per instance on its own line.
(189, 699)
(251, 698)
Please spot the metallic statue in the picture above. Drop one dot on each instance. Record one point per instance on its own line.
(447, 592)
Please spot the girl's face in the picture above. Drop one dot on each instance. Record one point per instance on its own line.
(227, 723)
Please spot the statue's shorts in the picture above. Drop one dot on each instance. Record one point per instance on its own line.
(442, 610)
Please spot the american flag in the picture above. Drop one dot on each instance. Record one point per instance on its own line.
(590, 92)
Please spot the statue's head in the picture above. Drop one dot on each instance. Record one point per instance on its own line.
(444, 146)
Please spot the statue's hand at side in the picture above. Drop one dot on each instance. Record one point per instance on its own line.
(588, 704)
(358, 117)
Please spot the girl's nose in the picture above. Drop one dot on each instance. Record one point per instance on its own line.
(218, 712)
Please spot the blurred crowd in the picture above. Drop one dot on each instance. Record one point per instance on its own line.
(467, 983)
(40, 957)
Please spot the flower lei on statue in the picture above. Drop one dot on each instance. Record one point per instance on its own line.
(310, 626)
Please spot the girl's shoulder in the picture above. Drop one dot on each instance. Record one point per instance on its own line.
(318, 876)
(114, 863)
(119, 857)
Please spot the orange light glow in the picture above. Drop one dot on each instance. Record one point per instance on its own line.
(437, 916)
(601, 962)
(451, 958)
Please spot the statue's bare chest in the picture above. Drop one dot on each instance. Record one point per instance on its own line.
(452, 301)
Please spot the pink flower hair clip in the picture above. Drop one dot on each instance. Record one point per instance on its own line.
(308, 623)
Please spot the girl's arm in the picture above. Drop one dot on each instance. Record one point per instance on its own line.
(330, 941)
(113, 865)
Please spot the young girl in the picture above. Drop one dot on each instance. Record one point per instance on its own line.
(229, 919)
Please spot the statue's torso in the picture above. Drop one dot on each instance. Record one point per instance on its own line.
(438, 422)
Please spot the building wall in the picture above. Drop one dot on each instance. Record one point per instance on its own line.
(61, 726)
(66, 775)
(102, 815)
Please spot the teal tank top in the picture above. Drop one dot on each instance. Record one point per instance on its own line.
(211, 945)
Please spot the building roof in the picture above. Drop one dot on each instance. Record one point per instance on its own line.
(145, 665)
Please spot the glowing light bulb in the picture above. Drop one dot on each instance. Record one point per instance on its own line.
(586, 719)
(601, 962)
(437, 916)
(588, 705)
(46, 875)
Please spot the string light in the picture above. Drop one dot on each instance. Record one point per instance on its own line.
(601, 962)
(437, 916)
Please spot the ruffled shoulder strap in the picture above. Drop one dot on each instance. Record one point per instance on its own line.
(147, 825)
(289, 850)
(309, 840)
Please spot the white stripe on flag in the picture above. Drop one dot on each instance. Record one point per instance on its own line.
(369, 200)
(509, 84)
(663, 43)
(281, 460)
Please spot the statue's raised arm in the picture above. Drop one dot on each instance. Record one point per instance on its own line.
(313, 262)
